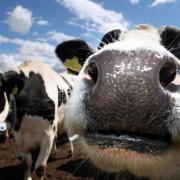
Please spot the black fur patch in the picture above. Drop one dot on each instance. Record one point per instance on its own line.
(69, 92)
(71, 48)
(2, 97)
(61, 97)
(34, 155)
(2, 101)
(33, 100)
(110, 37)
(40, 171)
(171, 40)
(12, 115)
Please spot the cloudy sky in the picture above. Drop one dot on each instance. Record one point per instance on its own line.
(31, 29)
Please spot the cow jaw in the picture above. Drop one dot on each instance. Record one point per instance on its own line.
(118, 159)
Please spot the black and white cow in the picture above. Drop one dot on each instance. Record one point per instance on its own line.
(125, 105)
(32, 100)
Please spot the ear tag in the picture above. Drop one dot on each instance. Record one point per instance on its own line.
(70, 72)
(3, 126)
(15, 90)
(73, 64)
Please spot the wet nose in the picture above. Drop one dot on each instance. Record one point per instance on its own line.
(128, 87)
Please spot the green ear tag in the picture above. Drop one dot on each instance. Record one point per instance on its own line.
(73, 64)
(15, 90)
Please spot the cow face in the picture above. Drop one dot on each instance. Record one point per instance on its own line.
(10, 84)
(126, 103)
(4, 109)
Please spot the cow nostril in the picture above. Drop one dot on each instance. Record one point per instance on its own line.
(167, 73)
(92, 71)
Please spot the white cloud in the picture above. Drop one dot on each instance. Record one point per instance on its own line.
(20, 20)
(158, 2)
(94, 16)
(42, 22)
(34, 49)
(58, 36)
(7, 62)
(3, 39)
(29, 50)
(134, 1)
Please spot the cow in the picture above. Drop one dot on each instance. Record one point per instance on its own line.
(33, 98)
(125, 105)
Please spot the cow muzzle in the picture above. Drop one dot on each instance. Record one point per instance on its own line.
(129, 108)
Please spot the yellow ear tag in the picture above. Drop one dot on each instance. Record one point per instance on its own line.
(73, 64)
(15, 90)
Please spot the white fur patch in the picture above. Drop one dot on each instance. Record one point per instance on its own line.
(4, 113)
(31, 132)
(72, 138)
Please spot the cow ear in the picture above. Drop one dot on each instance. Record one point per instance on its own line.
(73, 54)
(12, 83)
(170, 39)
(110, 37)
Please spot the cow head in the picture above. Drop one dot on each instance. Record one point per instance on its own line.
(126, 103)
(10, 85)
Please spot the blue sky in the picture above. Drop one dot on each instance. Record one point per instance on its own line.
(31, 29)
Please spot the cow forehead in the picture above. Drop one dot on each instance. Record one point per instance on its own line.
(143, 34)
(138, 40)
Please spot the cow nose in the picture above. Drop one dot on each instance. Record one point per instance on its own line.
(92, 71)
(128, 87)
(167, 73)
